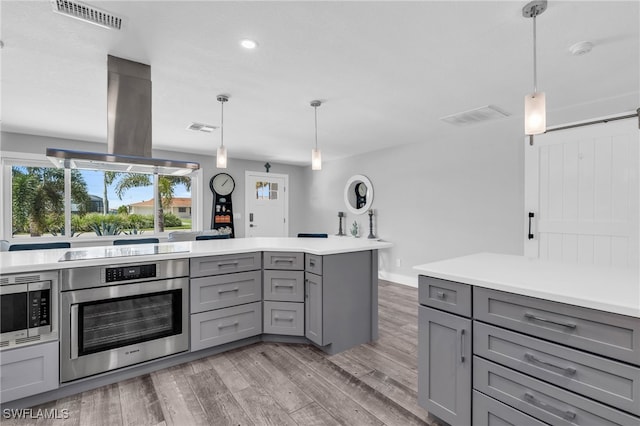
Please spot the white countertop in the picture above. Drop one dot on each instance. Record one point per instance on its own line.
(42, 260)
(608, 289)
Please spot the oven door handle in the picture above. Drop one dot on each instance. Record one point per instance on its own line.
(74, 331)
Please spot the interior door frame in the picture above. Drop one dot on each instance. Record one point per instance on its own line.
(248, 193)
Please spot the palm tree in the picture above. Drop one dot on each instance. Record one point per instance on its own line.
(109, 178)
(38, 198)
(166, 188)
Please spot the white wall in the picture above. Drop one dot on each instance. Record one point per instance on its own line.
(17, 142)
(433, 200)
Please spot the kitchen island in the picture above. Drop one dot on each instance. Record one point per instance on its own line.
(203, 298)
(529, 342)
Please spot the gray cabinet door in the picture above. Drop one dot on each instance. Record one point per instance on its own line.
(444, 365)
(28, 371)
(313, 308)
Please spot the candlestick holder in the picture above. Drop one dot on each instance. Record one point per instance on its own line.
(340, 233)
(371, 236)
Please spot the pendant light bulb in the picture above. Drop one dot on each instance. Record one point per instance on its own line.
(535, 110)
(221, 153)
(316, 155)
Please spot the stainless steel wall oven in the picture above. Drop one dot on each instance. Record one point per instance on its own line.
(119, 315)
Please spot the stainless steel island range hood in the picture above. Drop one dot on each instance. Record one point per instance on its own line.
(129, 128)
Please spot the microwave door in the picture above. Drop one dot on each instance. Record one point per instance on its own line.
(14, 312)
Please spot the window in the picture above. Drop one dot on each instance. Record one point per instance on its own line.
(266, 191)
(101, 203)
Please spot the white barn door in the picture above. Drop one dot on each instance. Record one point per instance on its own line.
(581, 185)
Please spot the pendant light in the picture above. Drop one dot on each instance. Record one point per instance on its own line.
(221, 155)
(316, 156)
(535, 114)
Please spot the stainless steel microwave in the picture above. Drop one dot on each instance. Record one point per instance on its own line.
(28, 308)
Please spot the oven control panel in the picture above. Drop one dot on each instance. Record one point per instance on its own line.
(124, 273)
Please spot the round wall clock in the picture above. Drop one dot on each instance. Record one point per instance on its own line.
(222, 184)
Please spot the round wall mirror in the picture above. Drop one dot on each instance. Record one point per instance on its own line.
(358, 194)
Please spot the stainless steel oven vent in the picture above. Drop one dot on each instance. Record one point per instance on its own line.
(84, 12)
(478, 115)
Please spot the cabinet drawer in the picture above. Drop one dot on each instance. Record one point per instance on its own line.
(214, 265)
(313, 263)
(284, 318)
(28, 371)
(226, 325)
(602, 379)
(283, 260)
(222, 291)
(612, 335)
(449, 296)
(284, 286)
(490, 412)
(542, 400)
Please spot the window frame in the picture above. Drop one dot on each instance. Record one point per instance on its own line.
(9, 159)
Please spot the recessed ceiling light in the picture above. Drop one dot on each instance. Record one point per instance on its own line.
(249, 44)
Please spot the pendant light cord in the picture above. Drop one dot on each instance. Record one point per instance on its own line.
(221, 123)
(535, 65)
(315, 112)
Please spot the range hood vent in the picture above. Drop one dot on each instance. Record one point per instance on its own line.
(128, 128)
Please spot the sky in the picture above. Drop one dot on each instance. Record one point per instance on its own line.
(95, 185)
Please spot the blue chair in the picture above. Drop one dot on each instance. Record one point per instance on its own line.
(39, 246)
(213, 237)
(136, 241)
(312, 235)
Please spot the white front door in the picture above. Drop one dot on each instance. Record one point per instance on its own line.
(266, 205)
(581, 185)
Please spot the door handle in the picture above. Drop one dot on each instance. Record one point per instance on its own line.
(531, 216)
(250, 217)
(251, 225)
(532, 317)
(567, 415)
(462, 345)
(567, 370)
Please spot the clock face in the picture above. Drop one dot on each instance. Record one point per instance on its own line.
(362, 189)
(222, 184)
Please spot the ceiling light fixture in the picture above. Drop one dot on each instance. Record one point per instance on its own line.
(316, 156)
(249, 44)
(535, 114)
(581, 48)
(221, 155)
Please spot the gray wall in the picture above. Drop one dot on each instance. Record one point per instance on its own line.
(434, 200)
(297, 198)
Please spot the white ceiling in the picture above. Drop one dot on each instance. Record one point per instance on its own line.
(387, 71)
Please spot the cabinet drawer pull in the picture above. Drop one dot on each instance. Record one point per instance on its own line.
(536, 318)
(284, 285)
(567, 370)
(233, 324)
(228, 291)
(222, 265)
(567, 415)
(283, 319)
(283, 261)
(312, 263)
(462, 345)
(441, 295)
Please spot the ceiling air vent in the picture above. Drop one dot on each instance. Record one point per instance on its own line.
(478, 115)
(199, 127)
(84, 12)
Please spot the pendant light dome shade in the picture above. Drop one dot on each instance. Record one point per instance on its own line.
(535, 114)
(221, 153)
(316, 155)
(535, 111)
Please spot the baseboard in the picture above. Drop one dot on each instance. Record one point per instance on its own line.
(411, 281)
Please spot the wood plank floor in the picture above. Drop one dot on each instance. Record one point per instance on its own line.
(273, 384)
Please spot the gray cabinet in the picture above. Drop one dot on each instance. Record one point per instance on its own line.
(284, 286)
(285, 318)
(28, 371)
(489, 412)
(283, 260)
(227, 264)
(222, 291)
(213, 328)
(444, 365)
(313, 308)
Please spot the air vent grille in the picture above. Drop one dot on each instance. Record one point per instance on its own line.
(200, 127)
(27, 339)
(478, 115)
(4, 344)
(87, 13)
(27, 279)
(4, 281)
